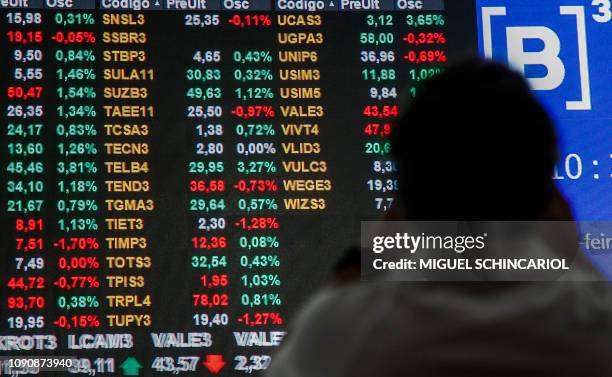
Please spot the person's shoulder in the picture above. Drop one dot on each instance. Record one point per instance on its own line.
(326, 337)
(348, 303)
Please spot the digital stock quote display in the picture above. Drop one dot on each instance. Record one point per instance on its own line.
(179, 175)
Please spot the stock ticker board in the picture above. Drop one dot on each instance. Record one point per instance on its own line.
(178, 176)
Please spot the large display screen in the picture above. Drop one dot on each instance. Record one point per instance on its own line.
(561, 47)
(178, 176)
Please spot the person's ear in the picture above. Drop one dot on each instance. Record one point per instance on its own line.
(558, 208)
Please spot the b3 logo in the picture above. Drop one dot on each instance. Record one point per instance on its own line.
(546, 42)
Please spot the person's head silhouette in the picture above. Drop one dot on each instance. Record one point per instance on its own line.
(476, 145)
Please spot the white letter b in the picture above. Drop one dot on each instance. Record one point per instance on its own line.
(548, 57)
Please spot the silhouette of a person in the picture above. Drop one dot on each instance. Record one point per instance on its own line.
(473, 145)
